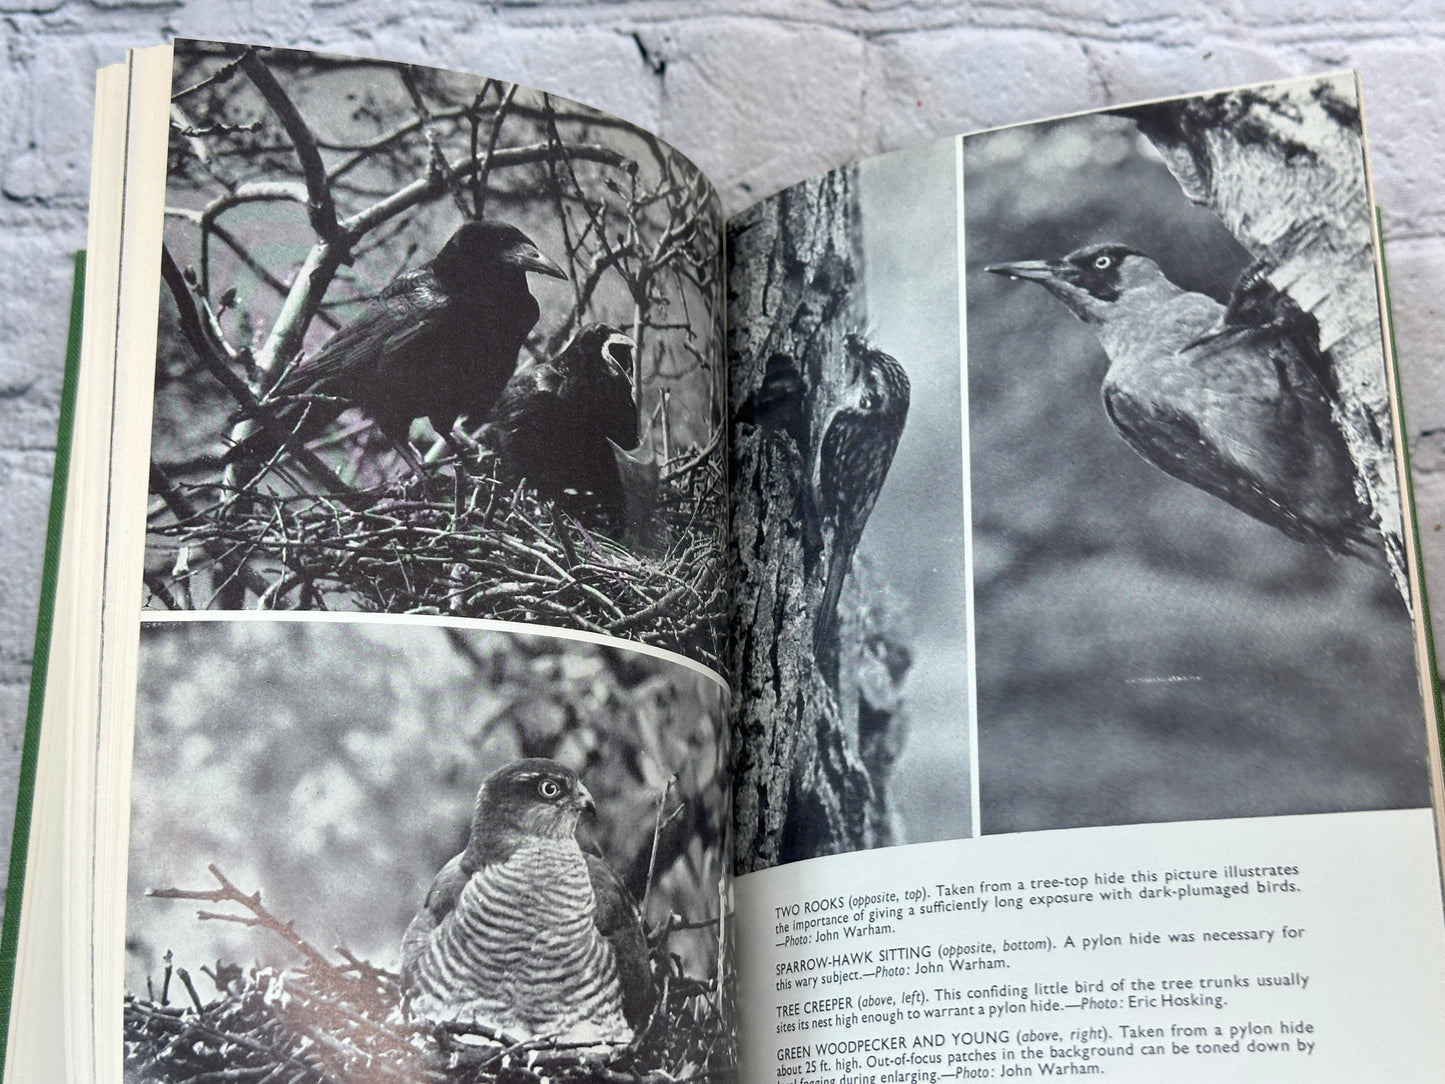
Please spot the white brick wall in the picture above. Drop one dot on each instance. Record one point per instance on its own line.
(759, 92)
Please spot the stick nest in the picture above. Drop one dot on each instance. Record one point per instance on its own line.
(470, 548)
(329, 1023)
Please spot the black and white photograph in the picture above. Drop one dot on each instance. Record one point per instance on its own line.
(434, 344)
(848, 506)
(367, 851)
(1187, 559)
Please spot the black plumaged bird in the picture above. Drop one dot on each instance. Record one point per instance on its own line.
(439, 342)
(556, 423)
(860, 435)
(1237, 401)
(525, 932)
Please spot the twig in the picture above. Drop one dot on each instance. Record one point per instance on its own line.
(195, 334)
(484, 163)
(318, 191)
(229, 893)
(657, 826)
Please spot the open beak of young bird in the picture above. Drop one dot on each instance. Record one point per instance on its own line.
(618, 351)
(529, 257)
(1037, 270)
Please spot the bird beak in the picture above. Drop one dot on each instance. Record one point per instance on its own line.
(529, 258)
(583, 799)
(1036, 270)
(618, 352)
(641, 456)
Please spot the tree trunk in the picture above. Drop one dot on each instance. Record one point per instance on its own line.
(1282, 168)
(809, 775)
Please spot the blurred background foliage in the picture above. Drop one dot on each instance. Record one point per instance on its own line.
(1145, 652)
(334, 766)
(908, 211)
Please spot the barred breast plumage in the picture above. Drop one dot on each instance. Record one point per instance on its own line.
(522, 931)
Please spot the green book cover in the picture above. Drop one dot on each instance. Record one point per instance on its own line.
(1408, 481)
(9, 937)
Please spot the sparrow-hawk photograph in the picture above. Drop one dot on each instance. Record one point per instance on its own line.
(434, 849)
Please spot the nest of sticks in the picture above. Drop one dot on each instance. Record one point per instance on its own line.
(325, 1022)
(466, 546)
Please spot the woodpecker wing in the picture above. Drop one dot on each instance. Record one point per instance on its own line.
(1297, 451)
(1257, 449)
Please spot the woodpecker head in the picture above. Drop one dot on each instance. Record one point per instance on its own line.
(1091, 280)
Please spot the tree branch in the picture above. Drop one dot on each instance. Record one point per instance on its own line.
(313, 171)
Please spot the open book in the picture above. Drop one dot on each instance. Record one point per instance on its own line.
(958, 619)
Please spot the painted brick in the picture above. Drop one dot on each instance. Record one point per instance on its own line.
(13, 699)
(752, 135)
(1415, 299)
(25, 495)
(47, 149)
(35, 258)
(928, 85)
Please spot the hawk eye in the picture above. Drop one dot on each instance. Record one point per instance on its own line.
(868, 402)
(1103, 263)
(549, 788)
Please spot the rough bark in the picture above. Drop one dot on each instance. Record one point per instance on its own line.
(1282, 167)
(810, 775)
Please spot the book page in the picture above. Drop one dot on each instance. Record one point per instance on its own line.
(1173, 814)
(430, 759)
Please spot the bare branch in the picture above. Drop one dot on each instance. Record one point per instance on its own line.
(479, 186)
(211, 356)
(259, 915)
(318, 190)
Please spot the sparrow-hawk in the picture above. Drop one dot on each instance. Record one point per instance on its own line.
(523, 931)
